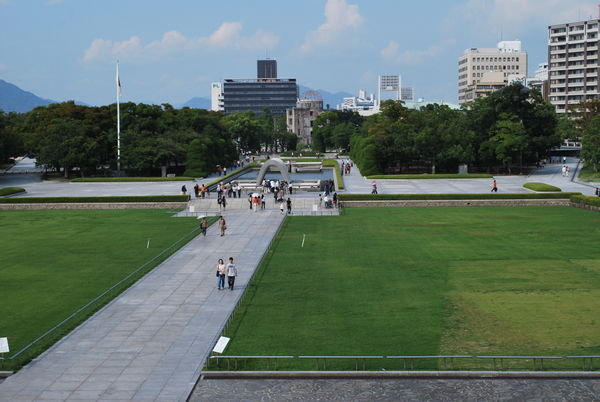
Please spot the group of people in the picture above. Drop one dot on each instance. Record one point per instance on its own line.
(346, 167)
(276, 186)
(565, 171)
(229, 270)
(330, 202)
(231, 190)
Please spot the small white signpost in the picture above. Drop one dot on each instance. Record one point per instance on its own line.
(221, 344)
(4, 347)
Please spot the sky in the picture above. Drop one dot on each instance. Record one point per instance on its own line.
(170, 51)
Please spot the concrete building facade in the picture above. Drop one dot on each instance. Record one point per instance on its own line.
(573, 63)
(266, 69)
(388, 87)
(266, 91)
(476, 64)
(216, 97)
(300, 119)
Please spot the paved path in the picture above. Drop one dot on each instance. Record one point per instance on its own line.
(397, 390)
(551, 174)
(150, 342)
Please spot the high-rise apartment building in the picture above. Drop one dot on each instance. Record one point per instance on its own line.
(266, 69)
(216, 97)
(476, 64)
(573, 63)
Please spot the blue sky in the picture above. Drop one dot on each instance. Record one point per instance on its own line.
(170, 51)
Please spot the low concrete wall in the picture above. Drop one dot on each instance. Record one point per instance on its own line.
(399, 374)
(455, 203)
(583, 206)
(96, 205)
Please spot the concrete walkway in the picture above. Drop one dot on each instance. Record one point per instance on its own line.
(550, 174)
(150, 343)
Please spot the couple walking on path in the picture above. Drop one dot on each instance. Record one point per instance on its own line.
(228, 270)
(222, 226)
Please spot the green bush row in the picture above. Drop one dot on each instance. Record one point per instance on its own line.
(70, 200)
(129, 179)
(433, 176)
(541, 187)
(586, 200)
(10, 190)
(484, 196)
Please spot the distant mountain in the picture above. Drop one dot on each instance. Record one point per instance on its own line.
(14, 99)
(197, 103)
(331, 99)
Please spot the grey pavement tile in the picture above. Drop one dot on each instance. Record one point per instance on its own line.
(53, 395)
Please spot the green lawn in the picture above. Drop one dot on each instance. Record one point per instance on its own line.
(588, 174)
(54, 262)
(427, 281)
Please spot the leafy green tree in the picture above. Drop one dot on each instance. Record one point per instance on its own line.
(245, 129)
(590, 146)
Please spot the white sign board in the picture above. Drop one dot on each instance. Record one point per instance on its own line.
(4, 345)
(221, 344)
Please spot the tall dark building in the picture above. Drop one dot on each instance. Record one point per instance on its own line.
(256, 95)
(266, 69)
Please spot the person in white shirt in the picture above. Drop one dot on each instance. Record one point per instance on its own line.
(231, 273)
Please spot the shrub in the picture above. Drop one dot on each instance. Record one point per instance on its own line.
(585, 200)
(541, 187)
(433, 176)
(129, 179)
(11, 190)
(68, 200)
(484, 196)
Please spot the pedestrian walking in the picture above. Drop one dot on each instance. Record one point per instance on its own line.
(231, 273)
(223, 202)
(222, 225)
(335, 200)
(281, 208)
(289, 205)
(183, 190)
(221, 270)
(203, 226)
(494, 186)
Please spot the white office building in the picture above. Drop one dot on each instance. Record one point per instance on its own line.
(477, 69)
(216, 97)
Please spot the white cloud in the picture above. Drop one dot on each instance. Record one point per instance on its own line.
(394, 54)
(227, 35)
(340, 19)
(512, 17)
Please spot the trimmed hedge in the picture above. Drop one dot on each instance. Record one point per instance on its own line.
(87, 200)
(128, 179)
(433, 176)
(11, 190)
(541, 187)
(586, 200)
(484, 196)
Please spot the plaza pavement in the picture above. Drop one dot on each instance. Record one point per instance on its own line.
(150, 342)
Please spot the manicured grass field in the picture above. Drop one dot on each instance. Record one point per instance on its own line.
(426, 281)
(54, 262)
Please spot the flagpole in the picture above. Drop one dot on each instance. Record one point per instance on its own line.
(118, 85)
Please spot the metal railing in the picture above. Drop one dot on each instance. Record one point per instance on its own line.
(446, 362)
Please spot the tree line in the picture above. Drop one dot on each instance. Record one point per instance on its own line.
(505, 132)
(153, 137)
